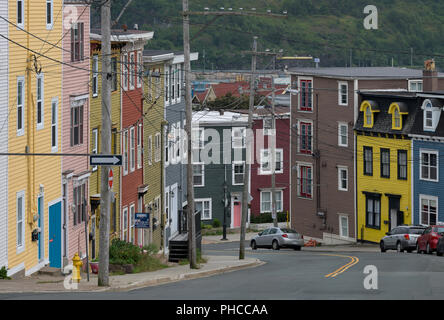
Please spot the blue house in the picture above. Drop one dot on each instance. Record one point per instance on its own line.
(428, 147)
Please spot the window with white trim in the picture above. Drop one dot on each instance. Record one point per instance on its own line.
(428, 210)
(139, 69)
(198, 175)
(429, 165)
(268, 126)
(20, 106)
(343, 135)
(20, 221)
(76, 125)
(266, 158)
(267, 198)
(305, 137)
(40, 100)
(20, 13)
(139, 145)
(343, 93)
(167, 88)
(132, 67)
(415, 85)
(95, 75)
(204, 206)
(305, 181)
(49, 14)
(343, 226)
(306, 95)
(428, 116)
(132, 155)
(54, 125)
(125, 152)
(238, 137)
(150, 150)
(132, 222)
(198, 138)
(342, 178)
(95, 144)
(125, 72)
(125, 224)
(77, 42)
(157, 147)
(238, 169)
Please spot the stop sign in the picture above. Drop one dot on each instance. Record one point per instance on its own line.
(110, 179)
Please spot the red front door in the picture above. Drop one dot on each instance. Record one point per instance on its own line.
(237, 210)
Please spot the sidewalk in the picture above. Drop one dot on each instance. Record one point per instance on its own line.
(215, 265)
(232, 237)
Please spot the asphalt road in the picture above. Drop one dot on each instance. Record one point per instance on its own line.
(290, 275)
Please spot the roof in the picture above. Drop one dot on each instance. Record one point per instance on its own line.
(120, 35)
(361, 72)
(215, 118)
(261, 112)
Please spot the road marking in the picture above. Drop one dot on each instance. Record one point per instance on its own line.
(354, 261)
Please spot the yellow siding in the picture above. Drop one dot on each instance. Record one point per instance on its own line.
(29, 173)
(383, 186)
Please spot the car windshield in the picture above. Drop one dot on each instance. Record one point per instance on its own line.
(288, 231)
(440, 230)
(416, 231)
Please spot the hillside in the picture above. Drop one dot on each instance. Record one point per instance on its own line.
(322, 28)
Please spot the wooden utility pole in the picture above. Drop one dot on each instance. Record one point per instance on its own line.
(273, 154)
(248, 152)
(192, 257)
(105, 199)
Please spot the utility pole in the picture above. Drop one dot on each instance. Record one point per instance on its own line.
(224, 227)
(105, 199)
(273, 154)
(189, 118)
(248, 153)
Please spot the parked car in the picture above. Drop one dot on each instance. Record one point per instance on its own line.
(428, 241)
(401, 238)
(440, 247)
(277, 238)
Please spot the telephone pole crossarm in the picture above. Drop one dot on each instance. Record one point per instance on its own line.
(234, 13)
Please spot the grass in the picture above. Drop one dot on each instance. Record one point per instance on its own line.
(149, 263)
(199, 259)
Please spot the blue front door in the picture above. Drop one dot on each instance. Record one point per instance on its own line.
(55, 235)
(41, 224)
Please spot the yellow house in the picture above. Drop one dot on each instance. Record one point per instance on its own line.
(34, 188)
(384, 182)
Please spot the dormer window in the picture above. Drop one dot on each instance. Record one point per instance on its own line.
(428, 116)
(397, 110)
(369, 108)
(431, 113)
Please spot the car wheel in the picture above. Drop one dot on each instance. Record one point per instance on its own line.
(297, 248)
(438, 253)
(428, 251)
(409, 251)
(275, 245)
(418, 251)
(399, 247)
(253, 245)
(382, 245)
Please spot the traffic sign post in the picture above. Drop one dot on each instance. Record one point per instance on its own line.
(105, 160)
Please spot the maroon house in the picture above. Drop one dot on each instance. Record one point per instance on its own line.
(323, 113)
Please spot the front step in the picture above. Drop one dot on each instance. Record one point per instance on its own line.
(178, 250)
(49, 271)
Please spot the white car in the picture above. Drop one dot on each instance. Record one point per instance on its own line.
(277, 238)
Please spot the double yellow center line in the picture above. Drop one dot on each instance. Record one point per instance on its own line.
(353, 261)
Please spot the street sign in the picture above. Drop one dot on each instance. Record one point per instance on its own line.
(110, 178)
(142, 220)
(105, 160)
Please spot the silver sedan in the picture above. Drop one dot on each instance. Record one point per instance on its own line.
(278, 238)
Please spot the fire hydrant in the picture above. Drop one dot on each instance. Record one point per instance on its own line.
(77, 264)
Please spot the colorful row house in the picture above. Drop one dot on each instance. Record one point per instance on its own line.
(34, 194)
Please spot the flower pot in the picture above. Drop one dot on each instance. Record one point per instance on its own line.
(94, 267)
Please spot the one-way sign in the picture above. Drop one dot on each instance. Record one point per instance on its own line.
(105, 160)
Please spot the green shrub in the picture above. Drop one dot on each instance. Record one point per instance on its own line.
(122, 252)
(4, 274)
(266, 218)
(151, 249)
(216, 223)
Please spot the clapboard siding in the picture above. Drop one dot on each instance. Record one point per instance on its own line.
(4, 136)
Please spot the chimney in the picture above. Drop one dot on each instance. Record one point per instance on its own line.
(430, 76)
(125, 27)
(221, 112)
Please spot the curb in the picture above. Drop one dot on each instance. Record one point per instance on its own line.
(362, 250)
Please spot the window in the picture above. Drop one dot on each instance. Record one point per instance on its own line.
(305, 132)
(373, 211)
(396, 119)
(305, 182)
(95, 144)
(79, 203)
(125, 152)
(238, 173)
(54, 127)
(167, 88)
(266, 201)
(157, 148)
(428, 116)
(173, 83)
(343, 94)
(343, 135)
(306, 102)
(402, 165)
(198, 138)
(342, 178)
(114, 73)
(20, 106)
(385, 163)
(415, 85)
(368, 161)
(178, 83)
(77, 42)
(20, 13)
(238, 138)
(268, 125)
(20, 221)
(95, 75)
(125, 224)
(125, 72)
(139, 146)
(368, 117)
(139, 69)
(167, 146)
(132, 155)
(429, 165)
(204, 206)
(199, 175)
(132, 222)
(132, 70)
(40, 99)
(150, 150)
(343, 226)
(266, 158)
(76, 125)
(49, 9)
(429, 212)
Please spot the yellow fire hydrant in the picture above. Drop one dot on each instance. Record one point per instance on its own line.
(77, 264)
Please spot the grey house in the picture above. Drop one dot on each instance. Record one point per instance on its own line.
(222, 132)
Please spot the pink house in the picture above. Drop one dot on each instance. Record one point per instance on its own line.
(75, 128)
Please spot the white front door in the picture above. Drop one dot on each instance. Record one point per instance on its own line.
(174, 214)
(394, 218)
